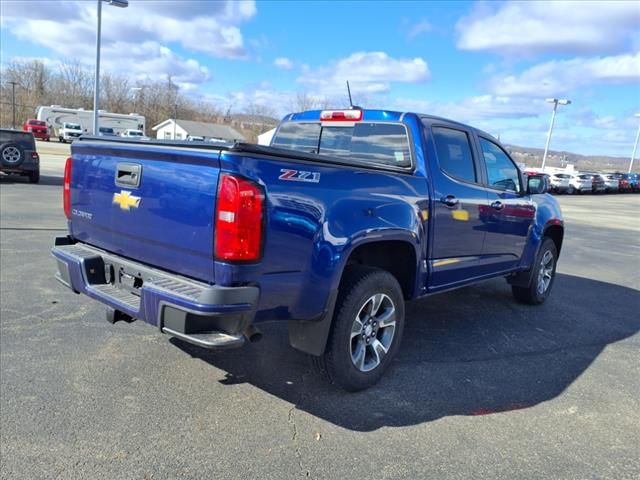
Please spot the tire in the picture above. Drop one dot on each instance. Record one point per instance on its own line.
(11, 155)
(34, 177)
(542, 278)
(353, 361)
(570, 191)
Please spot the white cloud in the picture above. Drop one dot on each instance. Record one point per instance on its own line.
(139, 40)
(367, 72)
(283, 63)
(529, 28)
(417, 29)
(211, 27)
(558, 77)
(150, 60)
(474, 109)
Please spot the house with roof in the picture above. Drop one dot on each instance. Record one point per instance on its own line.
(178, 129)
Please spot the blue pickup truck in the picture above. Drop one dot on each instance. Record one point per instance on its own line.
(331, 228)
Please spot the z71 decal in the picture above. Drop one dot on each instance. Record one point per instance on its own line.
(299, 176)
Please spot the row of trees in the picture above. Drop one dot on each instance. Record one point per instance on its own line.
(70, 84)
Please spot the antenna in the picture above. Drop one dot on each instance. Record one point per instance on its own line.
(349, 91)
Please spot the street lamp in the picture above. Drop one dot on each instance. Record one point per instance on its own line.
(96, 86)
(555, 102)
(635, 145)
(137, 91)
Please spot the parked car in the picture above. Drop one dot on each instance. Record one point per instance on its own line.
(18, 154)
(391, 206)
(195, 138)
(580, 184)
(38, 128)
(610, 182)
(633, 180)
(107, 132)
(69, 132)
(559, 182)
(131, 133)
(597, 182)
(624, 182)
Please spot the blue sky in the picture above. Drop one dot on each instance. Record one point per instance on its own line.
(490, 64)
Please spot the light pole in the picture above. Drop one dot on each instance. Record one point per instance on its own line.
(635, 145)
(96, 85)
(137, 91)
(555, 102)
(13, 100)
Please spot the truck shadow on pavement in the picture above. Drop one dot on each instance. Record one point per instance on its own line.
(44, 180)
(469, 352)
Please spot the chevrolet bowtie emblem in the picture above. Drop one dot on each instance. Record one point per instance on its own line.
(126, 200)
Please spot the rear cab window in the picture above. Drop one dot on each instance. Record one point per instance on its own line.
(375, 143)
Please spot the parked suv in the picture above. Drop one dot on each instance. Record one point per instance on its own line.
(69, 132)
(597, 182)
(18, 154)
(610, 182)
(559, 182)
(37, 127)
(580, 184)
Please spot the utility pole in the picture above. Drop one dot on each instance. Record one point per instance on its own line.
(175, 119)
(13, 97)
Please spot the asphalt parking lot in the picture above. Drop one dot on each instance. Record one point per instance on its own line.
(482, 387)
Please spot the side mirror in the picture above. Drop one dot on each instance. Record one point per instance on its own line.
(537, 184)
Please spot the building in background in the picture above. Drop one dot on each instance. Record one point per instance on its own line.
(265, 138)
(186, 129)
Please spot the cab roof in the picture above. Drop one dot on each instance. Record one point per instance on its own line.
(384, 116)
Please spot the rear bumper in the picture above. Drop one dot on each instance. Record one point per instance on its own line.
(207, 315)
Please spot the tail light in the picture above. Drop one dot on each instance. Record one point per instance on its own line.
(66, 189)
(238, 223)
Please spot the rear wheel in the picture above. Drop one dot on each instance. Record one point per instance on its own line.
(11, 155)
(366, 331)
(543, 275)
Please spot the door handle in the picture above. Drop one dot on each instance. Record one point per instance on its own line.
(449, 201)
(498, 205)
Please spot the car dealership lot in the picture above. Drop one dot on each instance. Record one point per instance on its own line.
(482, 387)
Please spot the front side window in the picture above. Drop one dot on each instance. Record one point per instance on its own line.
(454, 153)
(501, 172)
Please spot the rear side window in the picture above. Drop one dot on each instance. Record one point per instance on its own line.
(298, 136)
(501, 171)
(365, 142)
(454, 153)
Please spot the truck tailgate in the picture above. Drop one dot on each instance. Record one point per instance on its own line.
(148, 202)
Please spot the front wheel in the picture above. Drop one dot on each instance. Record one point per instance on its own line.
(543, 275)
(366, 331)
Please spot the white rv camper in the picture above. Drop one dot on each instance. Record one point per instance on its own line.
(56, 116)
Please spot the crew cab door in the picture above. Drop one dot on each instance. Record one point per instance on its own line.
(510, 214)
(459, 199)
